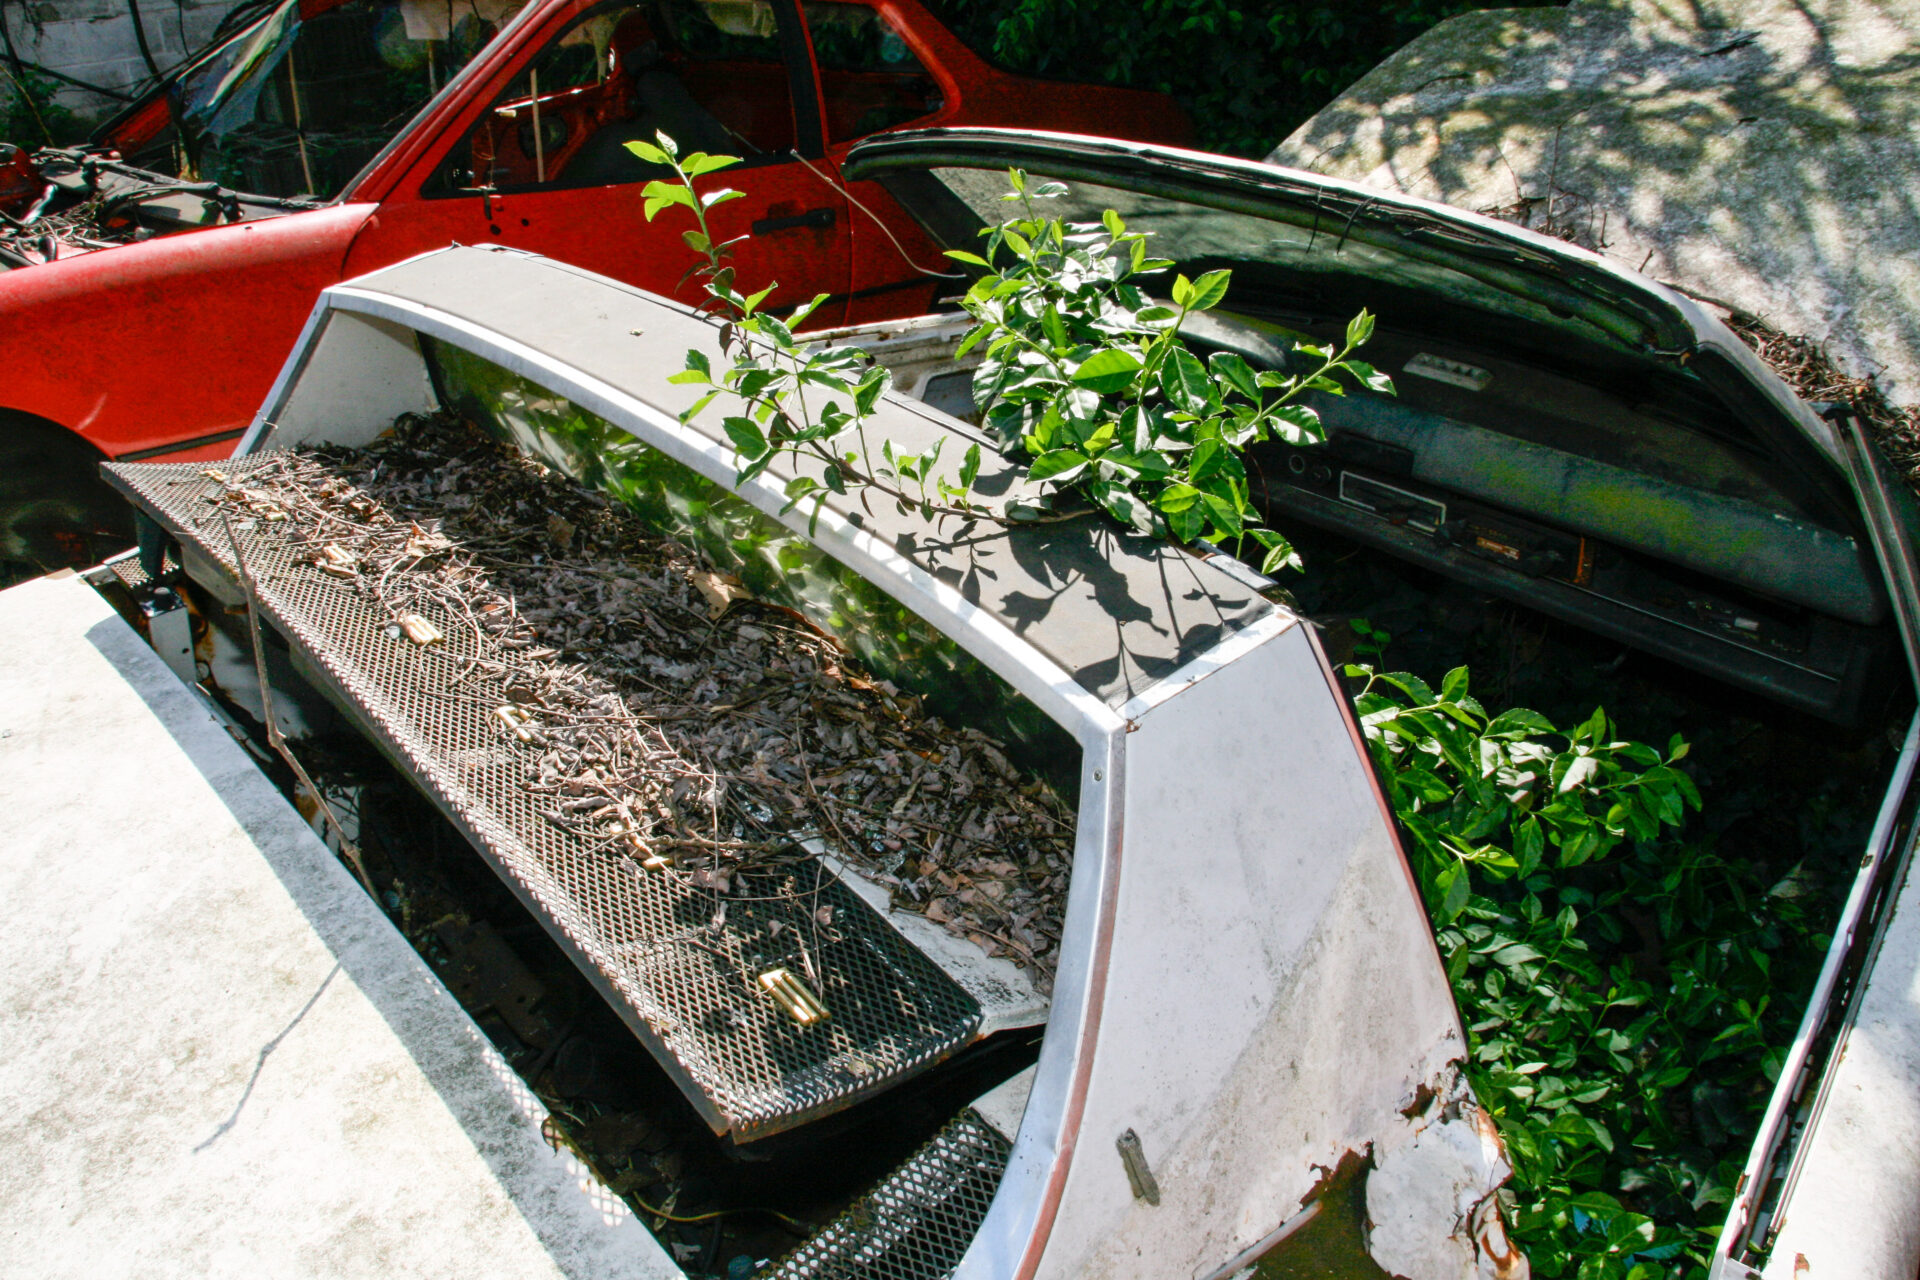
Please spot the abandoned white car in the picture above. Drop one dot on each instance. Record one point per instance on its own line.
(1181, 1013)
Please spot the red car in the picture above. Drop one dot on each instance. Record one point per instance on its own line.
(150, 284)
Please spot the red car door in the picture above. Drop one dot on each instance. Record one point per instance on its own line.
(878, 72)
(543, 165)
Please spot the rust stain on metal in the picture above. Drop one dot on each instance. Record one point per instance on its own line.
(1333, 1245)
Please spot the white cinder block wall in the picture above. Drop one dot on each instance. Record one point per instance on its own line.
(93, 40)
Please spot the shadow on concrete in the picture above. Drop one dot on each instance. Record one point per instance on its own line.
(260, 1063)
(1755, 154)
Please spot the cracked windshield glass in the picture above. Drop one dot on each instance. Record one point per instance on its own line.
(298, 105)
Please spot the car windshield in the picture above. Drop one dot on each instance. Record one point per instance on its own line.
(297, 105)
(1324, 258)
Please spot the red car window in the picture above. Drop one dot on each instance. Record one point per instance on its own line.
(869, 77)
(708, 73)
(297, 105)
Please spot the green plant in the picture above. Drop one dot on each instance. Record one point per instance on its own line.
(1249, 74)
(1615, 978)
(772, 373)
(32, 117)
(1084, 376)
(1088, 375)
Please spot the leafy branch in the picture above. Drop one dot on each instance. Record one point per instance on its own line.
(1615, 979)
(1087, 374)
(771, 372)
(1084, 378)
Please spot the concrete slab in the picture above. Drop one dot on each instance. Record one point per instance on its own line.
(218, 1057)
(1754, 152)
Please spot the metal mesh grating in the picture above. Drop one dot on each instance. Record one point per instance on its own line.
(687, 989)
(127, 568)
(918, 1223)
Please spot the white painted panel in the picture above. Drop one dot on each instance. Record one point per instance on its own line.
(1273, 997)
(1855, 1210)
(344, 386)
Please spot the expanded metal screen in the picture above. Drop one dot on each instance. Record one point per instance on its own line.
(684, 983)
(917, 1223)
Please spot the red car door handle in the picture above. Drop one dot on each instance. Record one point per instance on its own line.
(822, 217)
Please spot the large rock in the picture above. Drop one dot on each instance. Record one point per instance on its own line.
(1762, 155)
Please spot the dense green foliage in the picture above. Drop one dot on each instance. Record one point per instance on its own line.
(1086, 377)
(1614, 974)
(29, 116)
(1249, 72)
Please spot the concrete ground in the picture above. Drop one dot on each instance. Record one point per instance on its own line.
(1759, 153)
(217, 1056)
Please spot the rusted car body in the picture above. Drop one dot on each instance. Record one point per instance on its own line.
(1250, 1030)
(332, 138)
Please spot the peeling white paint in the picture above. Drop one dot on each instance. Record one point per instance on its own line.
(1446, 1174)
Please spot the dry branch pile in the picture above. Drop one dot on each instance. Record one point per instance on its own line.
(664, 714)
(1805, 366)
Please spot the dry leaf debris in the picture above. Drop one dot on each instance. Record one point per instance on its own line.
(661, 710)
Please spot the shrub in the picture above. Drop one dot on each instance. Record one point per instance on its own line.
(1615, 977)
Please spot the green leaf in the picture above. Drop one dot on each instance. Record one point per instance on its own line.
(1573, 772)
(1124, 505)
(806, 309)
(798, 488)
(1518, 722)
(1529, 844)
(1370, 378)
(1182, 292)
(1185, 382)
(724, 194)
(1056, 328)
(774, 327)
(1226, 516)
(700, 162)
(659, 194)
(1359, 329)
(1187, 523)
(1235, 372)
(1280, 555)
(970, 466)
(1107, 372)
(1297, 424)
(1177, 497)
(746, 436)
(648, 152)
(752, 304)
(869, 390)
(1208, 291)
(1142, 464)
(1060, 466)
(1454, 891)
(973, 259)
